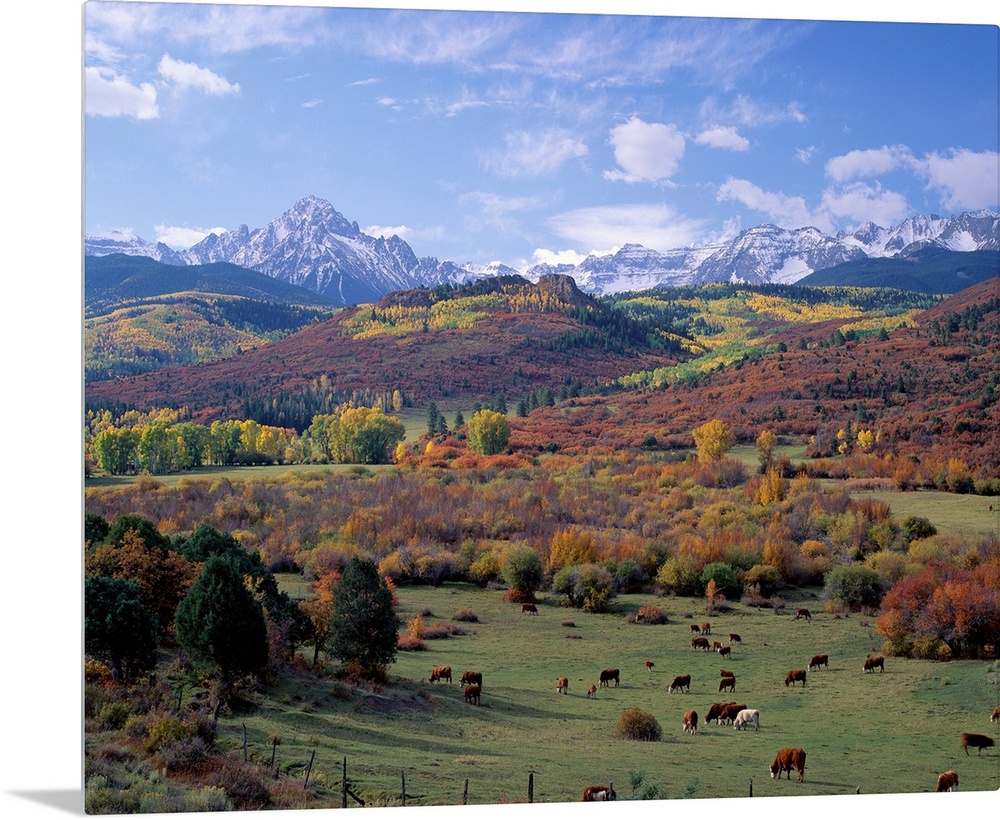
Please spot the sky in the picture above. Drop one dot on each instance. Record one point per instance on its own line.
(518, 137)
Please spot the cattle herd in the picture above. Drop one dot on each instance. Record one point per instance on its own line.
(739, 715)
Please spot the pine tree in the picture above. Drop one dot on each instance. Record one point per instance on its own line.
(364, 626)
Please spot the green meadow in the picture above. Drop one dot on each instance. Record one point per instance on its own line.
(873, 733)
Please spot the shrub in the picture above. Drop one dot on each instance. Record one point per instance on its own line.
(724, 577)
(113, 716)
(588, 586)
(765, 579)
(679, 575)
(167, 730)
(855, 587)
(408, 643)
(243, 786)
(465, 615)
(635, 724)
(650, 614)
(189, 753)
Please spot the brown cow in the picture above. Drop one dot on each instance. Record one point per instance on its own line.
(725, 673)
(788, 759)
(794, 675)
(725, 651)
(609, 675)
(872, 662)
(716, 646)
(995, 716)
(472, 693)
(598, 794)
(529, 609)
(735, 638)
(947, 781)
(979, 742)
(471, 677)
(441, 673)
(691, 721)
(715, 711)
(803, 613)
(695, 628)
(818, 661)
(699, 643)
(730, 711)
(562, 685)
(728, 683)
(680, 682)
(592, 691)
(649, 666)
(706, 628)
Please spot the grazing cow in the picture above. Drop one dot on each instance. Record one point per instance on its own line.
(598, 794)
(441, 673)
(562, 685)
(995, 716)
(695, 628)
(529, 609)
(979, 742)
(649, 666)
(735, 638)
(818, 661)
(716, 646)
(803, 613)
(592, 691)
(472, 693)
(730, 711)
(788, 759)
(947, 782)
(471, 677)
(872, 662)
(728, 683)
(699, 643)
(706, 629)
(715, 711)
(725, 673)
(725, 651)
(680, 682)
(745, 717)
(794, 675)
(691, 721)
(609, 675)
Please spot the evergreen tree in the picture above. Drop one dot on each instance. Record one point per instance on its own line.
(364, 624)
(118, 629)
(433, 419)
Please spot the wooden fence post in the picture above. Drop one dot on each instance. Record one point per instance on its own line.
(751, 787)
(343, 797)
(402, 774)
(244, 743)
(465, 793)
(310, 768)
(531, 787)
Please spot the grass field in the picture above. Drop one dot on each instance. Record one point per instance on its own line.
(877, 733)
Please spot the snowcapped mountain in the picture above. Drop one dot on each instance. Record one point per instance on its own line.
(314, 246)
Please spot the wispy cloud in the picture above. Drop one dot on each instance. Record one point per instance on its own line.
(182, 75)
(532, 154)
(110, 94)
(645, 152)
(485, 209)
(655, 226)
(750, 113)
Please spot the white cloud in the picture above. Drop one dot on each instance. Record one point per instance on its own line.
(963, 179)
(530, 154)
(386, 231)
(190, 75)
(312, 103)
(544, 256)
(859, 203)
(645, 152)
(750, 113)
(867, 163)
(805, 155)
(654, 226)
(725, 137)
(483, 210)
(785, 211)
(182, 237)
(110, 94)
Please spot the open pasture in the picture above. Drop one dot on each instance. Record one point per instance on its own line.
(885, 732)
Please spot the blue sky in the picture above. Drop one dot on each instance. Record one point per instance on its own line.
(522, 137)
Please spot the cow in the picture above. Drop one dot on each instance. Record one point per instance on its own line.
(745, 717)
(598, 794)
(735, 638)
(699, 643)
(788, 759)
(795, 675)
(803, 613)
(592, 691)
(818, 661)
(609, 675)
(649, 666)
(947, 781)
(716, 646)
(695, 628)
(706, 629)
(725, 651)
(978, 742)
(441, 673)
(730, 711)
(995, 716)
(715, 711)
(529, 609)
(727, 683)
(562, 685)
(680, 682)
(472, 693)
(725, 673)
(471, 677)
(691, 721)
(872, 662)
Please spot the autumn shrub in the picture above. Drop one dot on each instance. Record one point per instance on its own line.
(587, 586)
(487, 567)
(407, 643)
(439, 631)
(650, 614)
(764, 579)
(931, 648)
(167, 730)
(113, 716)
(723, 576)
(184, 755)
(242, 784)
(465, 616)
(679, 575)
(635, 724)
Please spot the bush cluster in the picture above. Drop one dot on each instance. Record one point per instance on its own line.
(635, 724)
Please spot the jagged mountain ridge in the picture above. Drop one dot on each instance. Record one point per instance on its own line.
(314, 246)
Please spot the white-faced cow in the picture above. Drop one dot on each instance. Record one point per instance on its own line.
(706, 628)
(649, 666)
(562, 685)
(680, 682)
(995, 716)
(725, 651)
(788, 759)
(715, 711)
(947, 781)
(728, 682)
(598, 794)
(818, 661)
(592, 690)
(691, 721)
(746, 717)
(795, 675)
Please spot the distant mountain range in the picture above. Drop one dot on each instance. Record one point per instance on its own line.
(315, 247)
